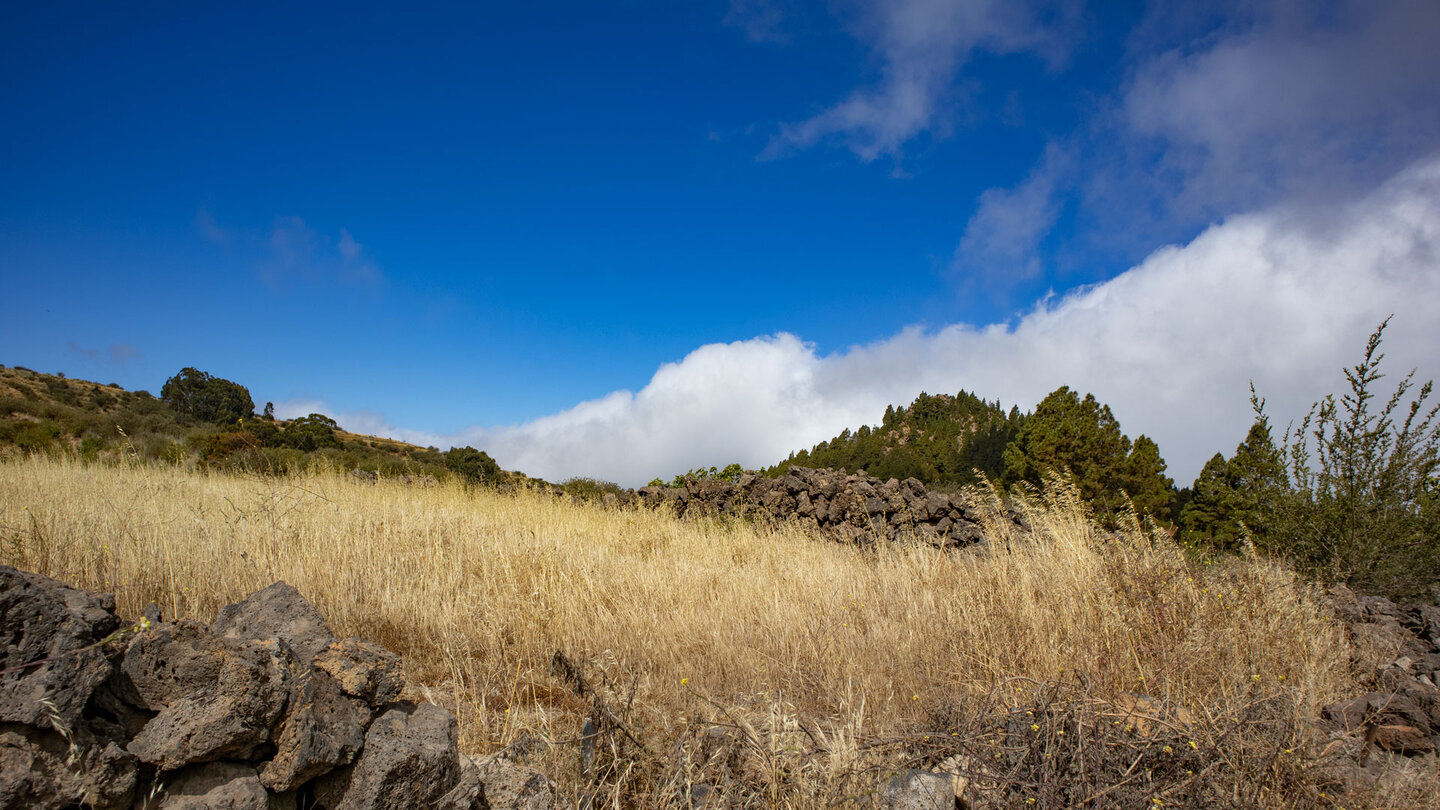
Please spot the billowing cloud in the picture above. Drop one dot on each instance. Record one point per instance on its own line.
(922, 46)
(1170, 344)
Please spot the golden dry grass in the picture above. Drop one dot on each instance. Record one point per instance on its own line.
(744, 624)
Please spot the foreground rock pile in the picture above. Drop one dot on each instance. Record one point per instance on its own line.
(1398, 652)
(264, 709)
(852, 507)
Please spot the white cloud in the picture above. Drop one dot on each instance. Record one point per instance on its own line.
(921, 45)
(1171, 345)
(1000, 238)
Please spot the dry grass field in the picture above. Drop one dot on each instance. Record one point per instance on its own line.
(790, 670)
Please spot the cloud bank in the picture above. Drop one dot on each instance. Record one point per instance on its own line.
(1171, 345)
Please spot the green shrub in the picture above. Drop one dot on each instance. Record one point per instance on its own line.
(472, 465)
(1361, 496)
(36, 436)
(201, 396)
(311, 433)
(590, 489)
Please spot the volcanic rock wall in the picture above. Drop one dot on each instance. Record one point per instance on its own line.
(852, 507)
(263, 710)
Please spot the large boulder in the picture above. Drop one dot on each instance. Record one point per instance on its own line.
(49, 647)
(278, 611)
(409, 760)
(214, 697)
(323, 728)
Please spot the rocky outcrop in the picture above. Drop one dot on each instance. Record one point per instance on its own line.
(851, 507)
(1397, 650)
(264, 709)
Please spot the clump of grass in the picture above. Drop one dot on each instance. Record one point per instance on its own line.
(789, 657)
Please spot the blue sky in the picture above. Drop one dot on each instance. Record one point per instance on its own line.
(623, 239)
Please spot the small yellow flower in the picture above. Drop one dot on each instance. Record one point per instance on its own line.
(1034, 727)
(1255, 678)
(1167, 749)
(914, 697)
(684, 681)
(1061, 732)
(1194, 746)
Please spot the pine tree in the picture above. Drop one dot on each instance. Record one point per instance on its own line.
(1082, 437)
(1237, 498)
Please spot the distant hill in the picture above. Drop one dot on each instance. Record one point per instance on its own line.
(50, 413)
(941, 440)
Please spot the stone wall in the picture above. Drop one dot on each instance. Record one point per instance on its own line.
(851, 507)
(262, 710)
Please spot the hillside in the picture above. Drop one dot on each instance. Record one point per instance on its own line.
(941, 440)
(52, 413)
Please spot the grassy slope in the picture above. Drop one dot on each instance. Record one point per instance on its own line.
(765, 629)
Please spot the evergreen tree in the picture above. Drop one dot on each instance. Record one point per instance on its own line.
(1082, 436)
(939, 439)
(1238, 497)
(1150, 490)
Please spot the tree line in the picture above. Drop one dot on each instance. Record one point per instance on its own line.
(1350, 493)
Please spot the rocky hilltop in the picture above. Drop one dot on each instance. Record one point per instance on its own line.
(851, 507)
(262, 710)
